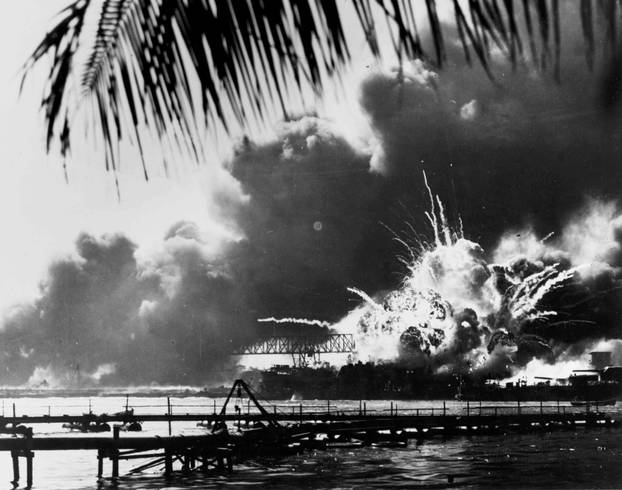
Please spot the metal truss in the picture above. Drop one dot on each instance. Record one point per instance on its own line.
(300, 347)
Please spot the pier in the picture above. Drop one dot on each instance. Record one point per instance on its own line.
(258, 430)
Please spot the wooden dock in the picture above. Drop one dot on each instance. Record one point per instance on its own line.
(234, 437)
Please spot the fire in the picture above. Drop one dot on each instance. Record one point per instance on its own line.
(456, 311)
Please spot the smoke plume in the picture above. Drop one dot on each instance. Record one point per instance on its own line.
(310, 214)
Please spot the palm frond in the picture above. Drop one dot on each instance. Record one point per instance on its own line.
(63, 42)
(147, 57)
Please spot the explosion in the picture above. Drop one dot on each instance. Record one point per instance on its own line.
(456, 312)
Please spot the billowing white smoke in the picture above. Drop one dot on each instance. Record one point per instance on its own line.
(455, 311)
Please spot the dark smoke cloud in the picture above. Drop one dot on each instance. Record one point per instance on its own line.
(170, 321)
(309, 216)
(312, 225)
(525, 151)
(308, 208)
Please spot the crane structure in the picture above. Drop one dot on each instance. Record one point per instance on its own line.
(302, 348)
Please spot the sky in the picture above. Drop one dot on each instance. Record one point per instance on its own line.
(39, 204)
(41, 212)
(282, 223)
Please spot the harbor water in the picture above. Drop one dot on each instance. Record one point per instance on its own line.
(569, 458)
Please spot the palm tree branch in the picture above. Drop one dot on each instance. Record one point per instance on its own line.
(150, 59)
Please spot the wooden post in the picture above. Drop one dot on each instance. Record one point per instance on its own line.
(467, 408)
(328, 406)
(214, 406)
(100, 463)
(29, 456)
(204, 458)
(14, 411)
(558, 406)
(49, 410)
(168, 462)
(518, 404)
(301, 413)
(365, 408)
(115, 452)
(480, 408)
(169, 412)
(15, 457)
(541, 407)
(391, 412)
(417, 412)
(444, 408)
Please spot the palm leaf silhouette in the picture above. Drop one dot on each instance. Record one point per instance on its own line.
(145, 57)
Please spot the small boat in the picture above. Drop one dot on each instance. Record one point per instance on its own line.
(584, 403)
(133, 426)
(87, 426)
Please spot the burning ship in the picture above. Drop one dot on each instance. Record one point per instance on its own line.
(463, 321)
(601, 382)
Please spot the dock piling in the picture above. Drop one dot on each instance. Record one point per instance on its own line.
(15, 458)
(168, 462)
(29, 455)
(169, 412)
(100, 463)
(114, 456)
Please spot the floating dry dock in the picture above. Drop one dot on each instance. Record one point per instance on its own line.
(232, 438)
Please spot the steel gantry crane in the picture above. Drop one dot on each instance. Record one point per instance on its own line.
(302, 348)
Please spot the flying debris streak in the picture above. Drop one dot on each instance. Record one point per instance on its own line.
(368, 299)
(300, 321)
